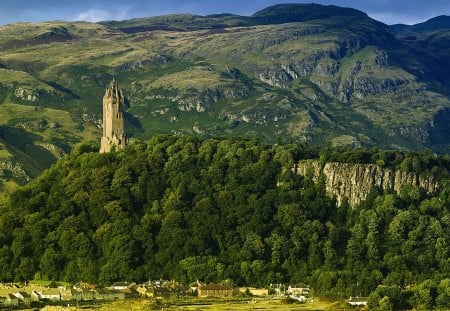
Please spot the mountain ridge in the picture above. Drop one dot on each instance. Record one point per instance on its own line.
(336, 77)
(276, 14)
(438, 23)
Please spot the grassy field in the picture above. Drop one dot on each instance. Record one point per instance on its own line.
(262, 305)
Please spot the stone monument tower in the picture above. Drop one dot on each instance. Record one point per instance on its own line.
(113, 129)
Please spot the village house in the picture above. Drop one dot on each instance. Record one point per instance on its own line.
(152, 292)
(77, 294)
(35, 296)
(128, 292)
(142, 290)
(279, 289)
(52, 294)
(83, 285)
(119, 294)
(194, 286)
(161, 292)
(103, 294)
(23, 297)
(108, 294)
(214, 290)
(71, 294)
(298, 290)
(120, 285)
(358, 301)
(11, 301)
(87, 294)
(158, 283)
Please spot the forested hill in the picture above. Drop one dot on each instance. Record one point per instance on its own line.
(216, 209)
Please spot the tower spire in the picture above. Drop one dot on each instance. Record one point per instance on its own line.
(113, 125)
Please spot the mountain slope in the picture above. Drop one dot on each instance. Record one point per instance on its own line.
(430, 42)
(320, 74)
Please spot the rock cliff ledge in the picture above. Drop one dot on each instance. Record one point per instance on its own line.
(355, 181)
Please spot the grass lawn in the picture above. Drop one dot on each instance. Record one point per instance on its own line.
(262, 305)
(269, 305)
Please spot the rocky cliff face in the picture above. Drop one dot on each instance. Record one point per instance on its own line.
(355, 181)
(10, 170)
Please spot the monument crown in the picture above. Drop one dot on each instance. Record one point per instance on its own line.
(113, 125)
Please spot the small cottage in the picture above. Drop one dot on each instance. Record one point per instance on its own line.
(87, 294)
(52, 294)
(120, 285)
(23, 297)
(214, 290)
(358, 301)
(11, 301)
(103, 294)
(298, 289)
(35, 296)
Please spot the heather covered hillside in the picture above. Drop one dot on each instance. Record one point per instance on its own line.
(304, 73)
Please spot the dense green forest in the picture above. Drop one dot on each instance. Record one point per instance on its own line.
(216, 209)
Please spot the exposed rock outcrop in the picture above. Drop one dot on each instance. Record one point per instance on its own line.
(355, 181)
(26, 94)
(38, 124)
(10, 170)
(201, 100)
(56, 151)
(146, 61)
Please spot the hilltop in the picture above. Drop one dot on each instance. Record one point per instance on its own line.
(298, 72)
(187, 209)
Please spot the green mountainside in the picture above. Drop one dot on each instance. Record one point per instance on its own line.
(305, 73)
(188, 209)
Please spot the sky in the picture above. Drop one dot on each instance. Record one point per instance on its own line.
(387, 11)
